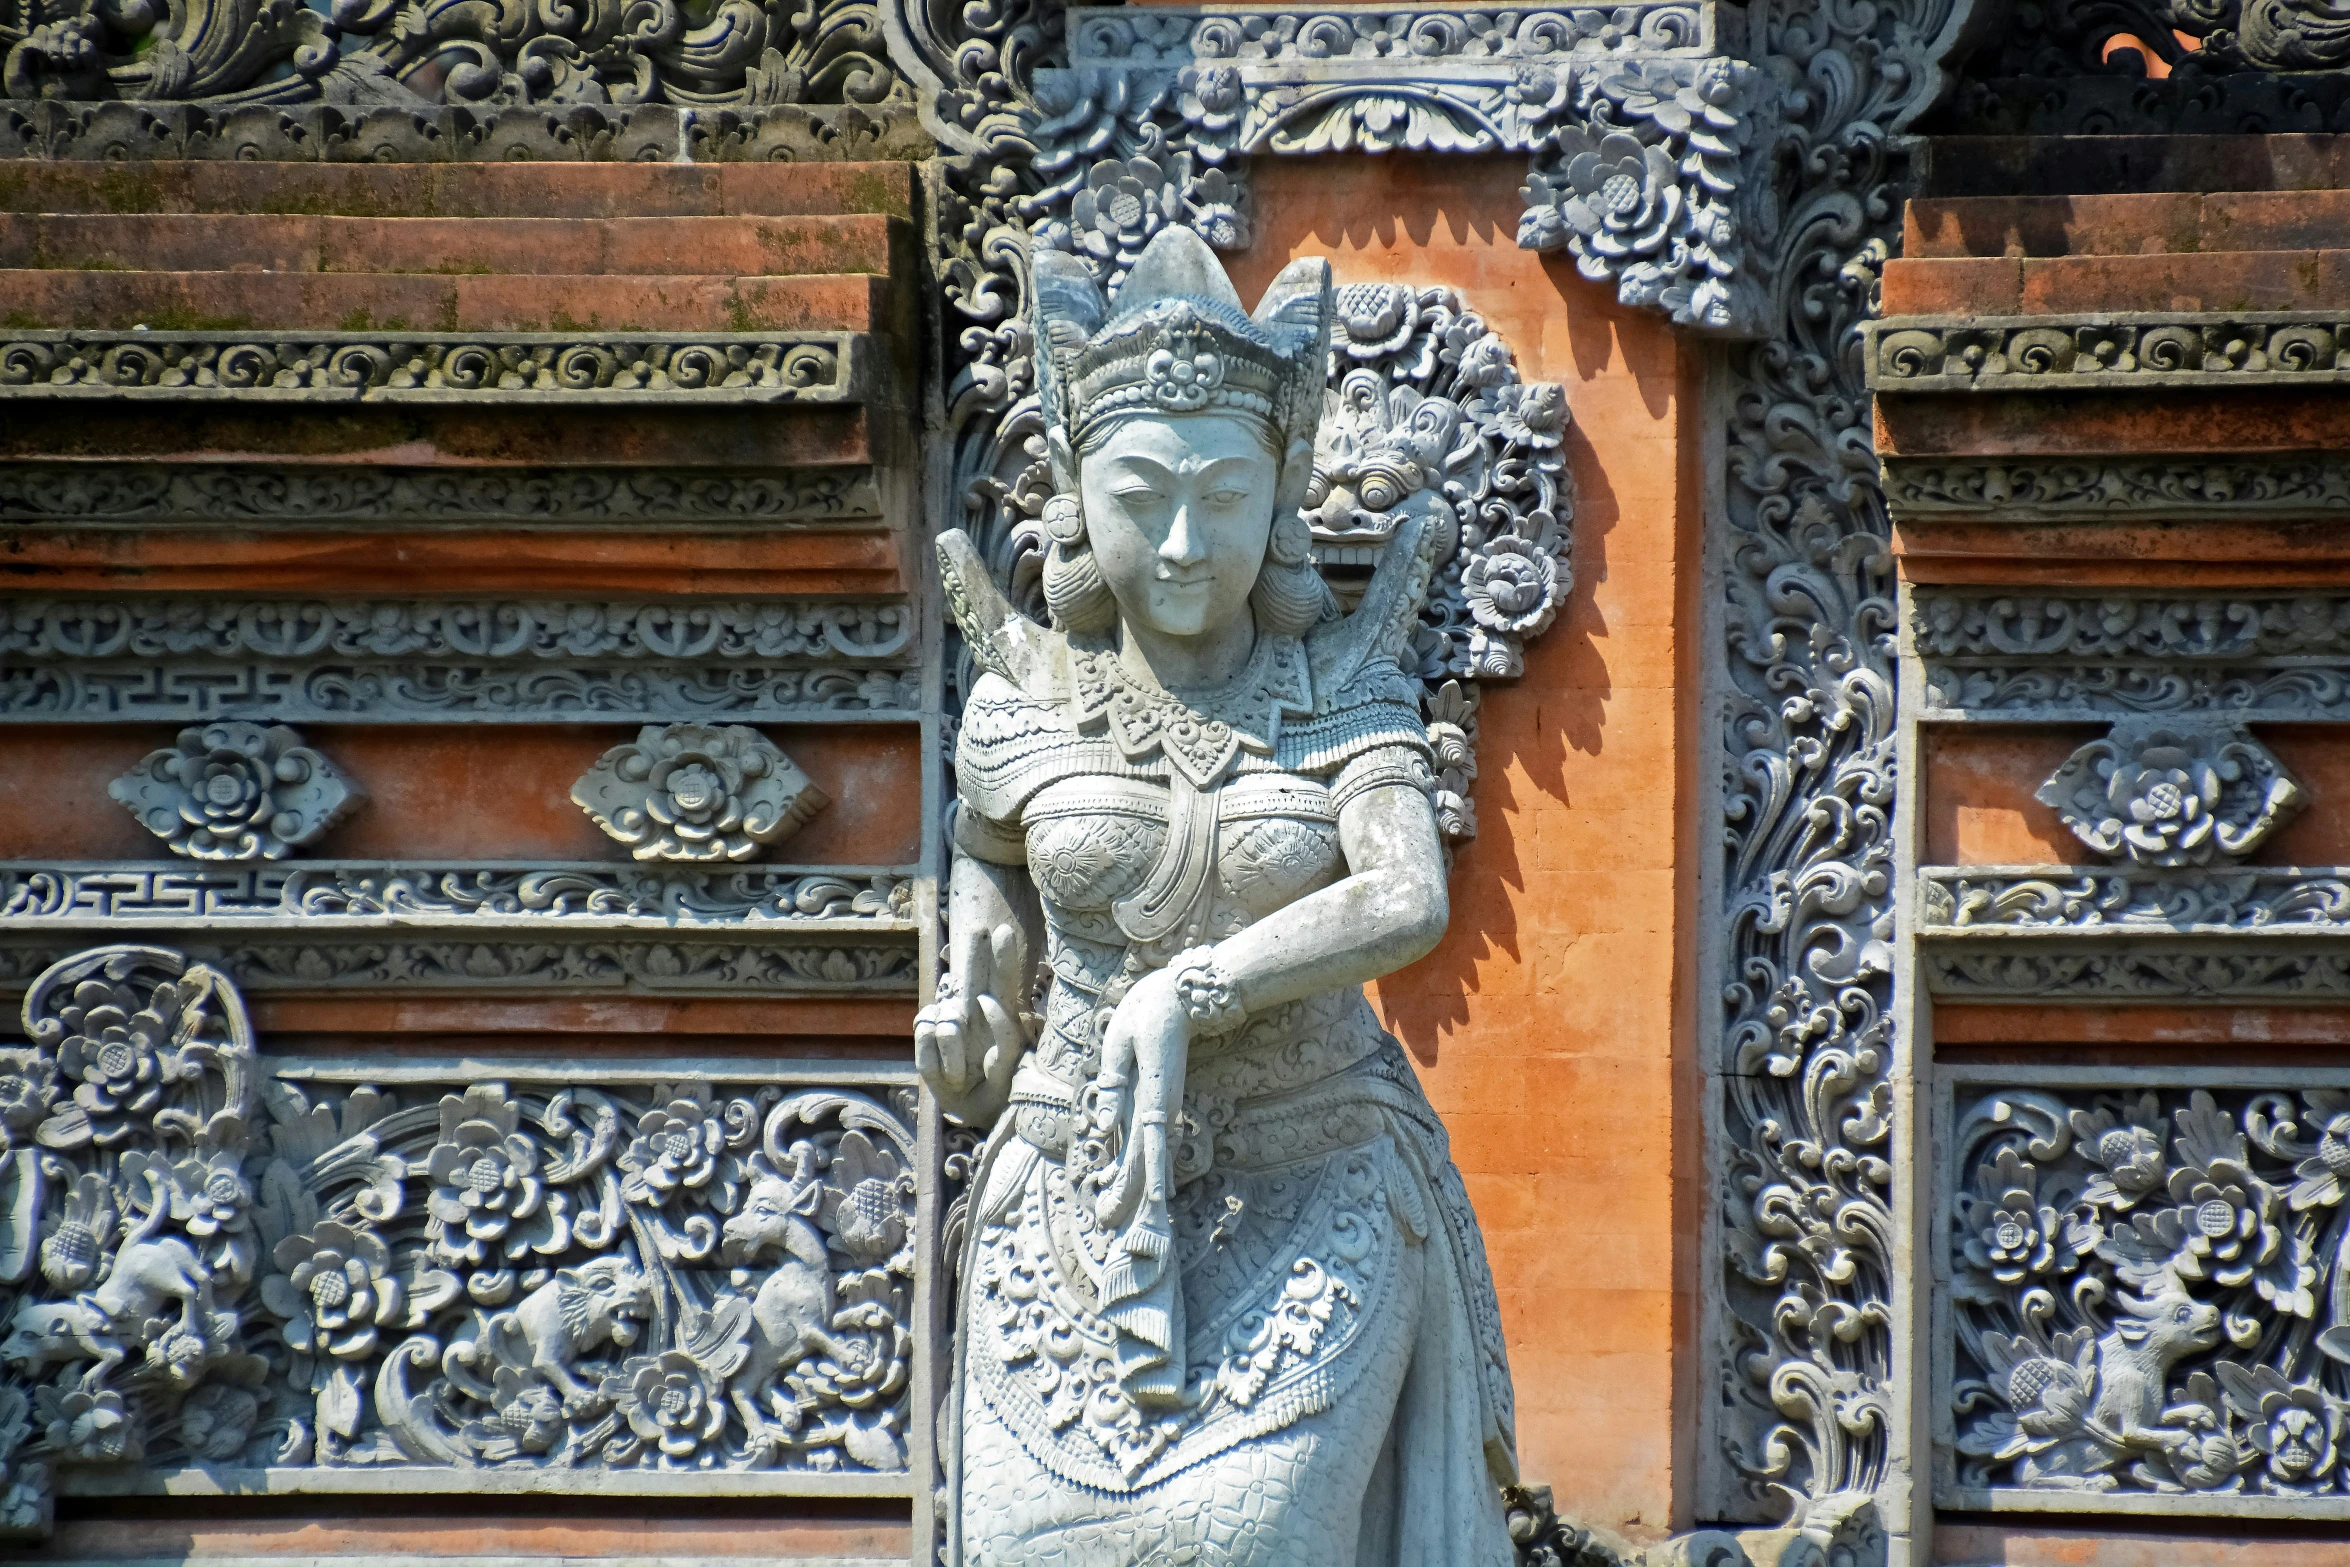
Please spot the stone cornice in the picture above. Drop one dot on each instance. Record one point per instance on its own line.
(471, 368)
(2126, 351)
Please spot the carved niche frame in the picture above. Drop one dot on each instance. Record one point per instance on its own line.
(1758, 166)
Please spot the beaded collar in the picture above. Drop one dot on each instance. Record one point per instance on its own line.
(1201, 735)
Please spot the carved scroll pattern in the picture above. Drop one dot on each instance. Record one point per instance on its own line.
(2149, 1292)
(206, 1266)
(734, 53)
(1806, 1116)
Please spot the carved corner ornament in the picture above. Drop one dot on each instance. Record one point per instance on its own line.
(698, 792)
(210, 1266)
(2173, 792)
(236, 791)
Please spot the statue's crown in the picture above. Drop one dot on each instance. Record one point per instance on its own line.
(1177, 340)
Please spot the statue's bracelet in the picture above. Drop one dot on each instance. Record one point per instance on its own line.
(1206, 992)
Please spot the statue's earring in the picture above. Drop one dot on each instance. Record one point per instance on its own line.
(1064, 521)
(1292, 541)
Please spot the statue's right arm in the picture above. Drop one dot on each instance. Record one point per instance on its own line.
(970, 1040)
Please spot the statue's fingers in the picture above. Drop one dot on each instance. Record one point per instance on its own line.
(1003, 1053)
(1003, 949)
(952, 1068)
(926, 1059)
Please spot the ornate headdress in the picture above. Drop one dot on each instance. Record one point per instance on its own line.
(1177, 341)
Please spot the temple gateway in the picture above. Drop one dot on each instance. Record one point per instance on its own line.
(886, 783)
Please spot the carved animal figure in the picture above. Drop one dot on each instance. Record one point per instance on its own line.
(106, 1323)
(794, 1304)
(578, 1310)
(2078, 1419)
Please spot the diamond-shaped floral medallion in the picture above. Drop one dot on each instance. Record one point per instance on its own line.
(698, 792)
(236, 791)
(2174, 793)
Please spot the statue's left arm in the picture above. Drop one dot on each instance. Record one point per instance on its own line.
(1388, 911)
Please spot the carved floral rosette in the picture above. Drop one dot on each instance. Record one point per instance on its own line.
(206, 1267)
(2148, 1291)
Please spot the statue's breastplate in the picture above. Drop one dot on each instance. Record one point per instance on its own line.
(1094, 841)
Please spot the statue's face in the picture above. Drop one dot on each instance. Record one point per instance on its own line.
(1178, 510)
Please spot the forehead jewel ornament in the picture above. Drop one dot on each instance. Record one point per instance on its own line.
(1176, 339)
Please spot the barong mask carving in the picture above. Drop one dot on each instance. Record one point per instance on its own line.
(1222, 1296)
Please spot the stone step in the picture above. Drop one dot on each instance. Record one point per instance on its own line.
(2244, 280)
(235, 301)
(2101, 165)
(723, 246)
(460, 190)
(2170, 222)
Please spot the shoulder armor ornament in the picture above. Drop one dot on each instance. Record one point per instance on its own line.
(1003, 641)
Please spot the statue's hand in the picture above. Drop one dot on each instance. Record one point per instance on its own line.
(968, 1042)
(1145, 1051)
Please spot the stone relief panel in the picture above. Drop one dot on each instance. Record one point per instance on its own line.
(2148, 1297)
(215, 1263)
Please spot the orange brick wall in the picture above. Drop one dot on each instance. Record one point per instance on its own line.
(1553, 1027)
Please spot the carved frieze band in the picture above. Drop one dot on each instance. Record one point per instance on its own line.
(233, 1274)
(2105, 488)
(423, 367)
(2146, 1294)
(2015, 655)
(371, 895)
(576, 131)
(86, 493)
(455, 660)
(2134, 350)
(2280, 901)
(313, 956)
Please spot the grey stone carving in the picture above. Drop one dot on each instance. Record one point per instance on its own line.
(682, 961)
(118, 131)
(2173, 793)
(2231, 655)
(353, 894)
(2125, 349)
(2257, 968)
(2220, 901)
(251, 1273)
(1203, 1244)
(1803, 1424)
(405, 52)
(2146, 1293)
(2067, 489)
(719, 367)
(236, 791)
(407, 659)
(377, 497)
(698, 792)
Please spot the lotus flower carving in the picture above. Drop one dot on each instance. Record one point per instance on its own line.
(698, 792)
(2173, 794)
(235, 791)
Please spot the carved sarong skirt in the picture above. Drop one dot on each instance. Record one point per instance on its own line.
(1346, 1401)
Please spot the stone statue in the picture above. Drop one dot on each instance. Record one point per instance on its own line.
(1223, 1299)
